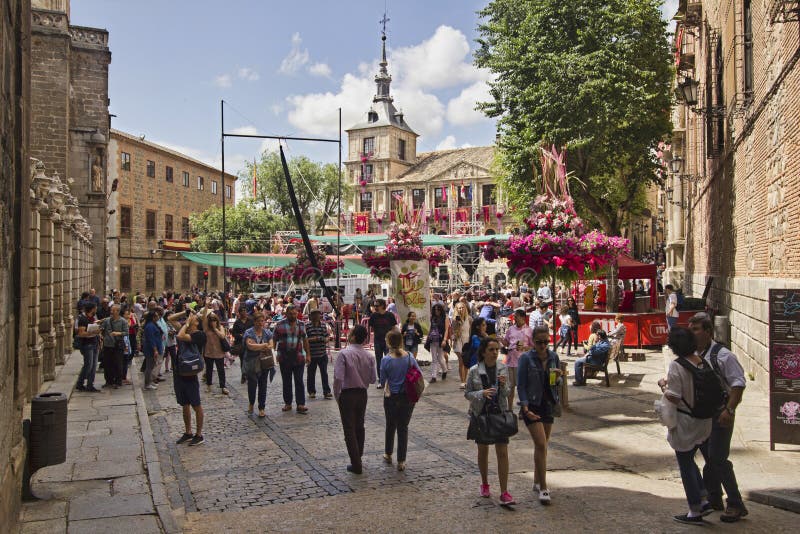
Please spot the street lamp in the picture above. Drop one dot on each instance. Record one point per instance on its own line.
(676, 165)
(689, 89)
(669, 194)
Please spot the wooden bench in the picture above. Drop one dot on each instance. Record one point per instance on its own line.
(592, 371)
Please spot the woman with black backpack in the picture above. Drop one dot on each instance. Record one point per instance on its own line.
(691, 432)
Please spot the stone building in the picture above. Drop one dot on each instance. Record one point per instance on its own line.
(157, 189)
(69, 95)
(733, 211)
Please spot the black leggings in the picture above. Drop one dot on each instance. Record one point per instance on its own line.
(220, 363)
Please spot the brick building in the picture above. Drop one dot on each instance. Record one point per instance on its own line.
(157, 190)
(734, 204)
(69, 90)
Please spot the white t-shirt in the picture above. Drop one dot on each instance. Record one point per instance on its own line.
(672, 299)
(544, 293)
(566, 319)
(689, 431)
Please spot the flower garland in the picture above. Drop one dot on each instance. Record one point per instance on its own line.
(301, 270)
(555, 242)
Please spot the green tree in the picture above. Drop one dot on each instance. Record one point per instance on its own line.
(248, 229)
(315, 184)
(590, 75)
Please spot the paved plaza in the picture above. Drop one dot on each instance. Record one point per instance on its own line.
(609, 464)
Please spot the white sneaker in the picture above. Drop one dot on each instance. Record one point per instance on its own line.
(151, 387)
(544, 496)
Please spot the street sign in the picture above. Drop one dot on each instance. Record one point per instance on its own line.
(784, 366)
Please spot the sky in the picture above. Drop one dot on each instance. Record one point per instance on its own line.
(284, 68)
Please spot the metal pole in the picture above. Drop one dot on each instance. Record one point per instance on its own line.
(337, 344)
(224, 234)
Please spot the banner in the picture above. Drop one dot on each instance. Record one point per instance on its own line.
(411, 290)
(784, 366)
(362, 223)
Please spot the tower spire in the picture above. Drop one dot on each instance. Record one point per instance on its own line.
(383, 80)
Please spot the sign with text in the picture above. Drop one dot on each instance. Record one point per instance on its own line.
(784, 366)
(411, 289)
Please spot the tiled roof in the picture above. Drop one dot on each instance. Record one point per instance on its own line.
(431, 164)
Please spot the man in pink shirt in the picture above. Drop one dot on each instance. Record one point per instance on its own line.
(518, 340)
(353, 372)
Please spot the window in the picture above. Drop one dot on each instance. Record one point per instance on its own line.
(213, 276)
(396, 199)
(401, 149)
(150, 224)
(168, 228)
(418, 198)
(201, 183)
(464, 196)
(168, 173)
(185, 282)
(125, 221)
(169, 277)
(228, 191)
(200, 280)
(185, 179)
(124, 277)
(151, 169)
(368, 172)
(213, 187)
(748, 51)
(487, 195)
(369, 146)
(126, 161)
(185, 228)
(150, 277)
(439, 197)
(366, 201)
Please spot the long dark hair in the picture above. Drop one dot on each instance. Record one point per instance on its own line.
(476, 323)
(485, 345)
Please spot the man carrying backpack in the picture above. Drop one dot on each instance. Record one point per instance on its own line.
(718, 471)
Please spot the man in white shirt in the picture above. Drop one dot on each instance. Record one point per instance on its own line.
(671, 306)
(544, 292)
(718, 471)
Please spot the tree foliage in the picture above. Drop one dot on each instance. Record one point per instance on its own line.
(592, 76)
(248, 229)
(315, 184)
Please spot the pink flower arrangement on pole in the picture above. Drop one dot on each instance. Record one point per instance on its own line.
(555, 242)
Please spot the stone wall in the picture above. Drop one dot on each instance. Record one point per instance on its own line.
(14, 139)
(741, 224)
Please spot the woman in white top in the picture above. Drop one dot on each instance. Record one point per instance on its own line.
(564, 329)
(690, 433)
(460, 327)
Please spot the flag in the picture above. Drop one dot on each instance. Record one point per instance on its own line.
(255, 178)
(462, 193)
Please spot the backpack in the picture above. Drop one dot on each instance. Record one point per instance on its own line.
(710, 394)
(190, 361)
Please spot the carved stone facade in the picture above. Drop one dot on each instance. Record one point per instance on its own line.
(739, 144)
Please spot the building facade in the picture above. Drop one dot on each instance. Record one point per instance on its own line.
(69, 95)
(156, 192)
(731, 222)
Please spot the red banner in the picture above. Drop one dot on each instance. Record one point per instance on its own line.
(362, 223)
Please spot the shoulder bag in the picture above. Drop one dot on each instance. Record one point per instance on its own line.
(494, 422)
(414, 383)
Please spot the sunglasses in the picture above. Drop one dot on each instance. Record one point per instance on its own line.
(540, 342)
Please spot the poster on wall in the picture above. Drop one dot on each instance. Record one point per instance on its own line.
(411, 288)
(784, 366)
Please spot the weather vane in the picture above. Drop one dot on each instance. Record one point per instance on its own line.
(383, 22)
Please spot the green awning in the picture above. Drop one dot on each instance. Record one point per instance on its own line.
(379, 240)
(352, 264)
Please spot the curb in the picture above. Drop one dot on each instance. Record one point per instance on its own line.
(152, 463)
(778, 499)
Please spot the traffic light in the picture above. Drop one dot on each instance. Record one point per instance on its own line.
(205, 275)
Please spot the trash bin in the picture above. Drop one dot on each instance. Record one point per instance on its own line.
(48, 431)
(722, 330)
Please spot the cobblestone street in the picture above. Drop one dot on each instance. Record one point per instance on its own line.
(609, 462)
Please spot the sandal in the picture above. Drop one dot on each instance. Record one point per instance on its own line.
(286, 407)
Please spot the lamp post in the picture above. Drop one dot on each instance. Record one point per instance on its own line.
(689, 90)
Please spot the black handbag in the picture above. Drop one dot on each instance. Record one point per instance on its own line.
(494, 422)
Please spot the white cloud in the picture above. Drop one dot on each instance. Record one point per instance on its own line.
(245, 130)
(318, 113)
(320, 69)
(461, 109)
(246, 73)
(223, 81)
(447, 143)
(296, 58)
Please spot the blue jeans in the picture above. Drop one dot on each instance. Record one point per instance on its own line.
(690, 476)
(579, 363)
(311, 379)
(89, 365)
(257, 381)
(293, 372)
(672, 322)
(718, 471)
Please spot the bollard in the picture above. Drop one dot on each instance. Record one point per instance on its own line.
(564, 395)
(46, 436)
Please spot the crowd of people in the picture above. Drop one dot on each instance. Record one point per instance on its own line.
(501, 342)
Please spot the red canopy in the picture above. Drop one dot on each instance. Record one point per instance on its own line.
(630, 269)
